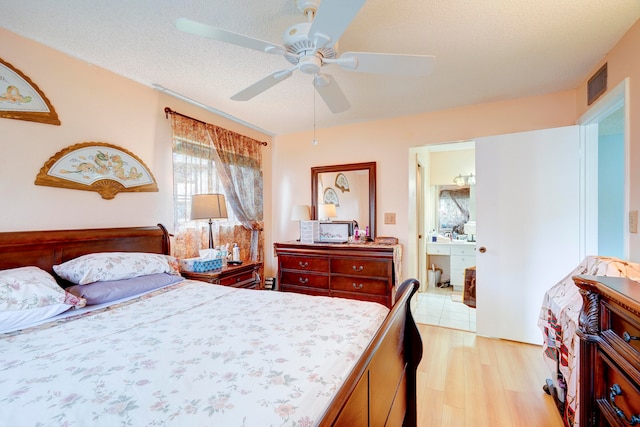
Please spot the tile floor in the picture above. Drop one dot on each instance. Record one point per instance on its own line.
(443, 307)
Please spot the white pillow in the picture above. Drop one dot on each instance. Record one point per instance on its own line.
(115, 266)
(29, 295)
(27, 288)
(14, 320)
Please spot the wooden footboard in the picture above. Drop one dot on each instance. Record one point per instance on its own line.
(381, 389)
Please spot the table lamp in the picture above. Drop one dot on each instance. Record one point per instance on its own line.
(300, 213)
(326, 211)
(208, 206)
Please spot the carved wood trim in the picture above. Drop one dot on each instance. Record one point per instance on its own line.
(589, 319)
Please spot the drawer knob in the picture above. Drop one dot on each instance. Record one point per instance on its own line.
(303, 280)
(357, 286)
(626, 337)
(360, 268)
(303, 264)
(615, 390)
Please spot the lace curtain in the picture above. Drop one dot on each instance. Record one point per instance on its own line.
(454, 210)
(209, 159)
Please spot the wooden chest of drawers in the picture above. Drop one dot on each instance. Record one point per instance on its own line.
(609, 332)
(356, 271)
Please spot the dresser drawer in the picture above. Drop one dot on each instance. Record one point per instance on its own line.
(238, 279)
(306, 263)
(622, 326)
(308, 280)
(360, 285)
(361, 267)
(380, 299)
(462, 261)
(616, 392)
(303, 290)
(467, 249)
(438, 249)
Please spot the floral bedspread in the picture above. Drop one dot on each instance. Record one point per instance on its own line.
(558, 321)
(191, 354)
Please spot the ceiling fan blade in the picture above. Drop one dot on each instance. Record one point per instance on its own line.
(199, 29)
(332, 18)
(387, 63)
(262, 85)
(331, 94)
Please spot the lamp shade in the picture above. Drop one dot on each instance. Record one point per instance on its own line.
(300, 213)
(208, 206)
(326, 210)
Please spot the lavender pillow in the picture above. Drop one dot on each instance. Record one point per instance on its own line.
(111, 290)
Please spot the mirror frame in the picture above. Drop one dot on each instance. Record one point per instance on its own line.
(369, 166)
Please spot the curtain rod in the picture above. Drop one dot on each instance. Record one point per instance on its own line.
(168, 111)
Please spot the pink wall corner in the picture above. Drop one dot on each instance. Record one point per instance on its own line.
(623, 61)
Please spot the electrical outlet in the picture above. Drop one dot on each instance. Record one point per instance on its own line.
(389, 218)
(633, 222)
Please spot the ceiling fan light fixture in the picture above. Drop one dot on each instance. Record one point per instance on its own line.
(310, 64)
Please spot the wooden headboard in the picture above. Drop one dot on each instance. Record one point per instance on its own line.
(47, 248)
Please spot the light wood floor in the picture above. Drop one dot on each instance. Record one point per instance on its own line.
(464, 380)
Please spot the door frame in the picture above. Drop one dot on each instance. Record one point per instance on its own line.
(588, 122)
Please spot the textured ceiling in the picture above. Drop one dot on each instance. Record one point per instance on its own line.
(486, 50)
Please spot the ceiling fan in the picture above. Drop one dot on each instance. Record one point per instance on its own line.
(309, 46)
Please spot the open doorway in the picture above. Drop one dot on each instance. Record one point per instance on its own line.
(441, 245)
(605, 192)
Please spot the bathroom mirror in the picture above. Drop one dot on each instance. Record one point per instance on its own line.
(351, 188)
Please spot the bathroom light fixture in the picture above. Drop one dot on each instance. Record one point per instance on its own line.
(462, 180)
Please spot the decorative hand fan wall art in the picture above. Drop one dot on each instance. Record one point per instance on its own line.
(97, 166)
(22, 99)
(342, 182)
(310, 46)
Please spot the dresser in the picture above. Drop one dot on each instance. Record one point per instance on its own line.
(461, 255)
(362, 271)
(609, 369)
(238, 276)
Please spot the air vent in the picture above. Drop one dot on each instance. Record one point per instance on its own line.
(597, 85)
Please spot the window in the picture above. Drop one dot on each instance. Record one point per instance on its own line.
(194, 173)
(453, 210)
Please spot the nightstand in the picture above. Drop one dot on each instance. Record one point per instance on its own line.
(237, 276)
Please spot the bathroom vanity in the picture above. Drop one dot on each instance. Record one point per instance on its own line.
(453, 257)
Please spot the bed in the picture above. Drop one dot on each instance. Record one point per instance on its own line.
(192, 353)
(558, 321)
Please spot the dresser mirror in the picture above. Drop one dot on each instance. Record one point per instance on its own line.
(351, 188)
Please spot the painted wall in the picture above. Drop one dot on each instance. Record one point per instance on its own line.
(388, 142)
(93, 104)
(623, 62)
(445, 165)
(610, 195)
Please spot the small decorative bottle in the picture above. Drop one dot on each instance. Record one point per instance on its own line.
(236, 252)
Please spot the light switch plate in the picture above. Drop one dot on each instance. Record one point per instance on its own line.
(633, 222)
(389, 218)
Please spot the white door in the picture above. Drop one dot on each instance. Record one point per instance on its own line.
(527, 212)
